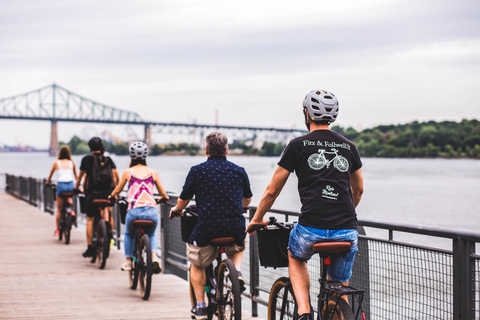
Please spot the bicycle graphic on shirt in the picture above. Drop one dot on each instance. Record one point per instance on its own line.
(318, 160)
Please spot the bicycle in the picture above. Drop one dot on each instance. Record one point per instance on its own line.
(222, 285)
(142, 265)
(330, 303)
(102, 234)
(66, 218)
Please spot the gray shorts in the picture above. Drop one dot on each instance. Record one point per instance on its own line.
(201, 257)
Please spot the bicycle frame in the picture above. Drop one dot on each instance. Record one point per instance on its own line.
(335, 289)
(211, 286)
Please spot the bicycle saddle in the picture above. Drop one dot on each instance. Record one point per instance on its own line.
(331, 247)
(67, 194)
(102, 202)
(143, 223)
(220, 241)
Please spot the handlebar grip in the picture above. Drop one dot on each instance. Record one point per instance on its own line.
(175, 214)
(256, 227)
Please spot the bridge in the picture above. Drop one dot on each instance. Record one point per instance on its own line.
(54, 103)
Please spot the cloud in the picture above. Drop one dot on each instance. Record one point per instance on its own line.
(387, 61)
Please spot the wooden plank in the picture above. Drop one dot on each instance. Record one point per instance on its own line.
(42, 278)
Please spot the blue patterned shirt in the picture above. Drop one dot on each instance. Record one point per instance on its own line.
(219, 187)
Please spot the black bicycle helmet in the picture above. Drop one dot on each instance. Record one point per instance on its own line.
(321, 106)
(96, 144)
(138, 150)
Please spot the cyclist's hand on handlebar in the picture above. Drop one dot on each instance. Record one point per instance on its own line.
(174, 212)
(112, 199)
(163, 200)
(256, 225)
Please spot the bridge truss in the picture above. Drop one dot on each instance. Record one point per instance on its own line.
(54, 103)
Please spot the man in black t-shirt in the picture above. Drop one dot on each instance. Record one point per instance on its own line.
(95, 189)
(330, 184)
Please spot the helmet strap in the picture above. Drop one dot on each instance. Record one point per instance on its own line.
(307, 120)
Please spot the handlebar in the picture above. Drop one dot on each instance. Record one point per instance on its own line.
(124, 199)
(272, 222)
(190, 210)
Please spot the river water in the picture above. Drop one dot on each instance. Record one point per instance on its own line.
(425, 192)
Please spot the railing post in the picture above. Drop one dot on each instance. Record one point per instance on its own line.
(254, 265)
(463, 271)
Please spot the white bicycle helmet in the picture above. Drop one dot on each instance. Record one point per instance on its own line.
(138, 150)
(321, 106)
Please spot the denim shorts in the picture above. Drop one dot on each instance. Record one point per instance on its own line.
(303, 238)
(64, 187)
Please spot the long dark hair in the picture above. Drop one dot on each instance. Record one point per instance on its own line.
(64, 153)
(134, 162)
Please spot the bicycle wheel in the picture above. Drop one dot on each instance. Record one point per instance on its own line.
(60, 235)
(67, 224)
(281, 301)
(337, 311)
(145, 266)
(229, 294)
(62, 222)
(133, 274)
(102, 244)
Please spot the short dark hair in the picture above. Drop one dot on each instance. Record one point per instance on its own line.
(323, 122)
(217, 144)
(96, 144)
(64, 153)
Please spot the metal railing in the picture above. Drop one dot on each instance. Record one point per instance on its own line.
(406, 274)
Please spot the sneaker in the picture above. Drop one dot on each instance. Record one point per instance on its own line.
(90, 252)
(127, 266)
(56, 233)
(156, 264)
(199, 313)
(241, 281)
(305, 316)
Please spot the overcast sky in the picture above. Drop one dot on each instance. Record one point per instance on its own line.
(388, 61)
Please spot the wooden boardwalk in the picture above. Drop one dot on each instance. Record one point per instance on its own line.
(42, 278)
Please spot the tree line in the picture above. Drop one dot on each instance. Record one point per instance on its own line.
(447, 139)
(80, 147)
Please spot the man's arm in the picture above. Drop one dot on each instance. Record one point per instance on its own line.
(356, 183)
(115, 176)
(79, 178)
(119, 187)
(181, 204)
(279, 179)
(246, 202)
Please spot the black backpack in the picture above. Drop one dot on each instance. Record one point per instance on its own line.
(102, 176)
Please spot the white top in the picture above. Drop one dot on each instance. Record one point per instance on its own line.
(65, 174)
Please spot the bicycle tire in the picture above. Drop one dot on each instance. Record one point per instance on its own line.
(102, 244)
(60, 235)
(133, 274)
(340, 311)
(62, 221)
(228, 294)
(281, 301)
(145, 266)
(67, 225)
